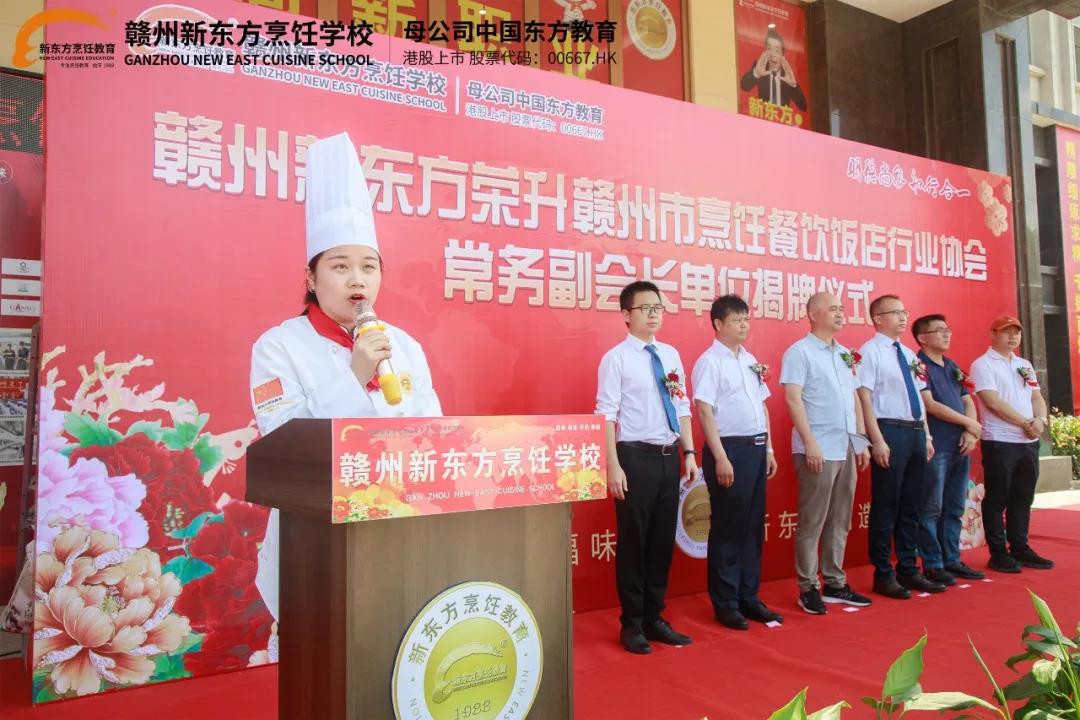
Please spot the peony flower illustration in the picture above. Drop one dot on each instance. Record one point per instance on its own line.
(83, 494)
(102, 611)
(270, 654)
(986, 193)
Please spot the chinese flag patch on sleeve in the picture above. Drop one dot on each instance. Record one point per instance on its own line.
(268, 391)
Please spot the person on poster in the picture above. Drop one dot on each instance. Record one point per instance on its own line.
(316, 365)
(738, 459)
(1014, 418)
(641, 392)
(772, 75)
(820, 386)
(890, 380)
(955, 429)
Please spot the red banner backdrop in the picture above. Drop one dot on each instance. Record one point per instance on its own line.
(1068, 159)
(773, 30)
(512, 206)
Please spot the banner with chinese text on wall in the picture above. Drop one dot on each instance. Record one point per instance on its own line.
(772, 61)
(1068, 142)
(512, 206)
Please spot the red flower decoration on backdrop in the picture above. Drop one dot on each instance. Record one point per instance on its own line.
(175, 492)
(225, 604)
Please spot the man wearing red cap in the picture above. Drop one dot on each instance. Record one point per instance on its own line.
(1014, 417)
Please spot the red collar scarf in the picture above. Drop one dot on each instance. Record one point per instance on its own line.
(334, 333)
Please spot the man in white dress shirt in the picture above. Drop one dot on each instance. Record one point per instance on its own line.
(891, 379)
(1014, 417)
(642, 394)
(820, 386)
(730, 394)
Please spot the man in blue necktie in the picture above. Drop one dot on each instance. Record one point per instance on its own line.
(890, 381)
(642, 394)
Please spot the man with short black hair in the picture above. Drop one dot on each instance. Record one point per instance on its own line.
(642, 394)
(730, 393)
(955, 430)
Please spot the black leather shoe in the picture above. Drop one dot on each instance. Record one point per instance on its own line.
(759, 612)
(1004, 563)
(917, 581)
(661, 632)
(732, 619)
(961, 570)
(634, 641)
(939, 575)
(1030, 559)
(891, 588)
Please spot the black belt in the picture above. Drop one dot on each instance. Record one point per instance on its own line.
(910, 424)
(650, 448)
(760, 439)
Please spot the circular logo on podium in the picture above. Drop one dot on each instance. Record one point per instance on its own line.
(692, 532)
(651, 27)
(473, 652)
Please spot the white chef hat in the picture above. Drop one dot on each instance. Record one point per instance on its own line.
(338, 206)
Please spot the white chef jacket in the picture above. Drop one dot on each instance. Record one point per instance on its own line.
(297, 373)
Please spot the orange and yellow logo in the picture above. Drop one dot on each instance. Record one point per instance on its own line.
(20, 58)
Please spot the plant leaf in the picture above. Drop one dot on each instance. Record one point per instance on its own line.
(1048, 635)
(151, 430)
(210, 455)
(196, 525)
(904, 673)
(1043, 611)
(1024, 688)
(1015, 660)
(794, 710)
(828, 713)
(180, 437)
(998, 694)
(946, 701)
(187, 569)
(1049, 648)
(90, 432)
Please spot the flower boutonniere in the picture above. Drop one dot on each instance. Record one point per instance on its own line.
(918, 368)
(674, 385)
(1028, 375)
(762, 372)
(963, 378)
(852, 359)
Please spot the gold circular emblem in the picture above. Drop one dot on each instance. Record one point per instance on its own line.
(692, 532)
(473, 652)
(651, 27)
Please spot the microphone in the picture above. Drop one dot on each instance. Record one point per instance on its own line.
(388, 379)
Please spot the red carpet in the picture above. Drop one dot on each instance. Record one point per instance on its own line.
(725, 675)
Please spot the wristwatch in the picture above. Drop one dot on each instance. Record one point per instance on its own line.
(691, 451)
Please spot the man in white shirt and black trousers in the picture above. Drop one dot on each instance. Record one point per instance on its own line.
(730, 394)
(642, 395)
(891, 379)
(1014, 417)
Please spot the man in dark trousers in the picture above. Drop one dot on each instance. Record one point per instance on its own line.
(955, 429)
(730, 393)
(890, 379)
(642, 394)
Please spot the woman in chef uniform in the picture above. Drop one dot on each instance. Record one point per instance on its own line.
(311, 366)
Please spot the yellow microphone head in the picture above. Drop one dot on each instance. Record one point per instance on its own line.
(391, 388)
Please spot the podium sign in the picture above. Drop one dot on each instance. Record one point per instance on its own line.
(401, 467)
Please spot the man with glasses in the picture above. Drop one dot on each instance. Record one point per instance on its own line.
(1014, 417)
(819, 380)
(642, 395)
(730, 394)
(955, 430)
(890, 378)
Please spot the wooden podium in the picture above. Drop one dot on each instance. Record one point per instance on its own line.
(350, 591)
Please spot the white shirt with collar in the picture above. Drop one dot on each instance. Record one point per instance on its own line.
(628, 394)
(828, 394)
(880, 374)
(725, 381)
(994, 371)
(298, 373)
